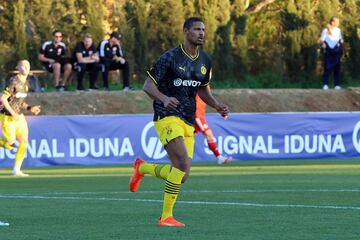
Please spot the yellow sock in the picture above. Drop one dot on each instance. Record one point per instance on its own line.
(172, 189)
(19, 157)
(157, 170)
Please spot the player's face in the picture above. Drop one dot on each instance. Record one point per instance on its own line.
(24, 68)
(57, 37)
(335, 22)
(88, 42)
(196, 34)
(115, 41)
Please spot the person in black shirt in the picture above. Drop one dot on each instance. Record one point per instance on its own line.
(86, 59)
(177, 76)
(52, 55)
(112, 58)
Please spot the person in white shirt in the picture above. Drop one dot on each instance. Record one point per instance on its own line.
(331, 42)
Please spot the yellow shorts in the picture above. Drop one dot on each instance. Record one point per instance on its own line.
(12, 128)
(172, 127)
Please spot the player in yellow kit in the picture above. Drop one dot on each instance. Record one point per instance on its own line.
(13, 122)
(178, 75)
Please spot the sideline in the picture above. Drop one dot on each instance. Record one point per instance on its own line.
(240, 204)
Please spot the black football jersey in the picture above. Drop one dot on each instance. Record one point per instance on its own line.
(177, 74)
(54, 52)
(108, 52)
(17, 91)
(86, 52)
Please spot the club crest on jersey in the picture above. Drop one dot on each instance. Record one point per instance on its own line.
(203, 70)
(186, 83)
(168, 130)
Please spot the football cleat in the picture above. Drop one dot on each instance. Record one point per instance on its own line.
(170, 222)
(137, 176)
(224, 159)
(4, 223)
(19, 174)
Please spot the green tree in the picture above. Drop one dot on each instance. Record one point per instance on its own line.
(65, 18)
(139, 12)
(39, 28)
(350, 24)
(215, 14)
(94, 15)
(6, 58)
(166, 31)
(19, 29)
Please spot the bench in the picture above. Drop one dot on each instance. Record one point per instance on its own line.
(34, 83)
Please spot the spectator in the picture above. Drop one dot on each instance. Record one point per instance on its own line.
(52, 56)
(112, 58)
(86, 59)
(331, 42)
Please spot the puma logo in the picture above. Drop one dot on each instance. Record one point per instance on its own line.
(182, 68)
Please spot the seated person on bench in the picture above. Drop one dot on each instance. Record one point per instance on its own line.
(52, 56)
(86, 59)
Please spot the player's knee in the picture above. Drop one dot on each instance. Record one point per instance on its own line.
(184, 166)
(56, 66)
(23, 141)
(9, 146)
(67, 67)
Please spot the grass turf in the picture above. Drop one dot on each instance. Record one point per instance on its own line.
(244, 200)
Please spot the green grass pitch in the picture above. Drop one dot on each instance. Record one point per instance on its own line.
(295, 199)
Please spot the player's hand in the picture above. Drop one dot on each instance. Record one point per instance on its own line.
(171, 102)
(222, 109)
(121, 60)
(94, 57)
(15, 116)
(35, 110)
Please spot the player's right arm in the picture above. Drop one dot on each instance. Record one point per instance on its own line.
(42, 58)
(153, 92)
(155, 76)
(41, 55)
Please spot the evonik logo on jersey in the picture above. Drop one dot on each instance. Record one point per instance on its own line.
(186, 83)
(150, 143)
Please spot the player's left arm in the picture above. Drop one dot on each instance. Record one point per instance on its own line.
(204, 93)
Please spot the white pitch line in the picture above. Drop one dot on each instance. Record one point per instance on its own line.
(243, 204)
(209, 191)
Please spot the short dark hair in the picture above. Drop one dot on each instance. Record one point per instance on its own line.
(116, 35)
(56, 31)
(189, 22)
